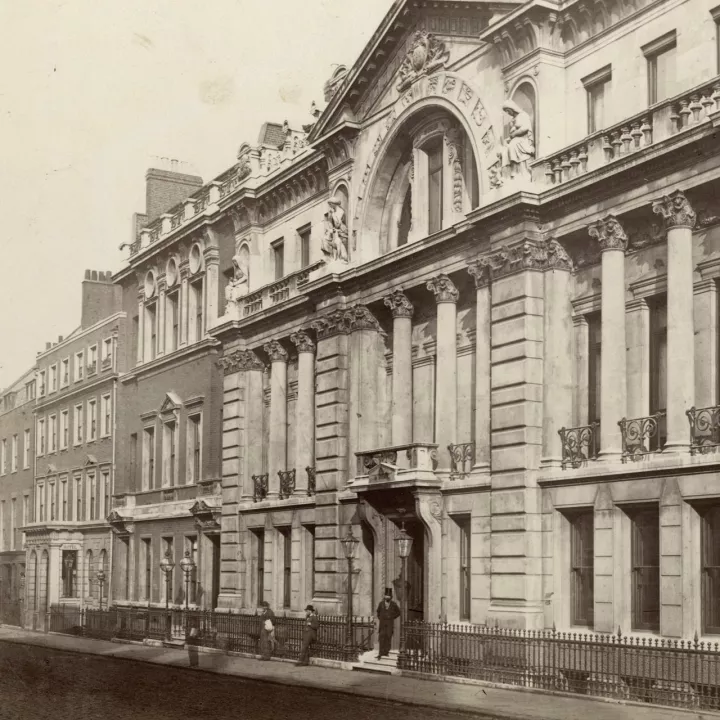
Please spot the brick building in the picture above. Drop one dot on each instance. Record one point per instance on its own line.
(16, 482)
(453, 304)
(68, 538)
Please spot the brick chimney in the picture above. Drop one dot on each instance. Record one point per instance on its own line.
(100, 297)
(166, 187)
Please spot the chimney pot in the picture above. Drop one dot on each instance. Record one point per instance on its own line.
(60, 338)
(87, 274)
(48, 345)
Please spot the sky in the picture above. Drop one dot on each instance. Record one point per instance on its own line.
(93, 91)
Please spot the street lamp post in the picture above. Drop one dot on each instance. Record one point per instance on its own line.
(350, 545)
(187, 566)
(404, 545)
(101, 582)
(167, 565)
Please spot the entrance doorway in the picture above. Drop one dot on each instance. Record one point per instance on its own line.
(413, 594)
(215, 577)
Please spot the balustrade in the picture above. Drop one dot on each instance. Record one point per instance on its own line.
(579, 444)
(279, 291)
(642, 436)
(253, 303)
(704, 428)
(287, 483)
(260, 487)
(311, 480)
(462, 458)
(416, 456)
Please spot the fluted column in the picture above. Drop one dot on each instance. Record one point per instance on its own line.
(557, 352)
(446, 297)
(481, 272)
(304, 409)
(277, 456)
(679, 222)
(141, 328)
(402, 312)
(613, 401)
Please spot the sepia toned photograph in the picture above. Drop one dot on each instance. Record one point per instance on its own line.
(360, 360)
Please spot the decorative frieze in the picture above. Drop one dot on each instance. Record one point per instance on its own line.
(275, 351)
(609, 233)
(398, 303)
(426, 55)
(240, 360)
(454, 141)
(443, 289)
(676, 210)
(303, 342)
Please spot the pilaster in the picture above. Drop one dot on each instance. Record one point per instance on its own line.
(402, 389)
(638, 358)
(304, 409)
(277, 456)
(582, 370)
(706, 343)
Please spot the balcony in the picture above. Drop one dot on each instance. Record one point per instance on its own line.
(398, 465)
(642, 436)
(579, 444)
(462, 459)
(269, 295)
(260, 487)
(287, 483)
(659, 122)
(704, 429)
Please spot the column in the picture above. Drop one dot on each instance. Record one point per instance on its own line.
(253, 464)
(706, 343)
(277, 456)
(402, 312)
(304, 409)
(481, 272)
(184, 309)
(212, 261)
(679, 221)
(141, 327)
(557, 352)
(638, 358)
(161, 317)
(613, 388)
(582, 370)
(446, 297)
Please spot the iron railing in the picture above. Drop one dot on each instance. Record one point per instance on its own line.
(260, 487)
(222, 631)
(462, 458)
(287, 483)
(663, 672)
(704, 428)
(642, 436)
(310, 480)
(579, 444)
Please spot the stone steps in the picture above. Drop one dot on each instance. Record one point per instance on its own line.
(370, 664)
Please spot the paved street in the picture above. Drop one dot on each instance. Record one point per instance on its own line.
(39, 683)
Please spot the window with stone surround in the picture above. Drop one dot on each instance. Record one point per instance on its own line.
(645, 568)
(69, 573)
(65, 372)
(79, 369)
(465, 554)
(43, 386)
(196, 311)
(658, 365)
(169, 455)
(64, 429)
(53, 378)
(106, 415)
(92, 419)
(14, 455)
(64, 500)
(597, 88)
(434, 152)
(710, 539)
(194, 448)
(26, 449)
(52, 424)
(79, 514)
(173, 323)
(79, 425)
(150, 331)
(284, 535)
(661, 56)
(278, 252)
(582, 567)
(147, 568)
(304, 234)
(594, 356)
(148, 479)
(41, 436)
(258, 540)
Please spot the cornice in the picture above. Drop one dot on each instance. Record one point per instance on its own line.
(204, 347)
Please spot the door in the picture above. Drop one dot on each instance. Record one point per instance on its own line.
(646, 570)
(215, 580)
(416, 572)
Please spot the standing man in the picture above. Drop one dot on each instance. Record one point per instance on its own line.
(267, 630)
(387, 612)
(312, 622)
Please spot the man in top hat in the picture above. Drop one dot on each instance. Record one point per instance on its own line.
(387, 611)
(312, 622)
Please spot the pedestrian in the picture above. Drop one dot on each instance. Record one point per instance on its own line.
(312, 622)
(387, 612)
(267, 630)
(192, 642)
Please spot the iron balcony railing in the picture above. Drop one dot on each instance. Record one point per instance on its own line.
(579, 444)
(287, 483)
(310, 480)
(260, 487)
(642, 436)
(704, 428)
(677, 673)
(339, 637)
(462, 458)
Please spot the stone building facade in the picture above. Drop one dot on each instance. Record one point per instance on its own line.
(475, 297)
(75, 429)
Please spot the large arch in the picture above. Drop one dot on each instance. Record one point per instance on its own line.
(395, 186)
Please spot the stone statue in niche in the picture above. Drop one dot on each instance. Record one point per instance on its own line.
(519, 148)
(335, 237)
(238, 284)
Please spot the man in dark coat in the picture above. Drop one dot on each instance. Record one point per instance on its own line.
(387, 611)
(312, 622)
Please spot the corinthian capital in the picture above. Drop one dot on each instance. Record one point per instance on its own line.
(303, 342)
(443, 289)
(676, 210)
(239, 360)
(276, 352)
(358, 317)
(609, 233)
(399, 305)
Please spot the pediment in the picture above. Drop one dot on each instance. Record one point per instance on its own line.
(90, 460)
(171, 404)
(410, 43)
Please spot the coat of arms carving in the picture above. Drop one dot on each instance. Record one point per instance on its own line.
(426, 55)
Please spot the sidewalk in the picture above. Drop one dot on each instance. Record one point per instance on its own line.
(482, 699)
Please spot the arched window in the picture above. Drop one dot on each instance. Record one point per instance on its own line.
(435, 182)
